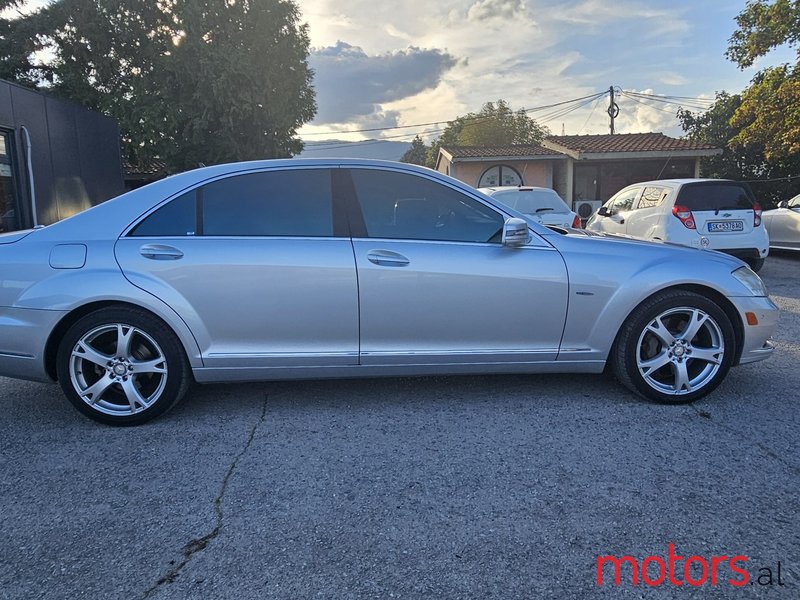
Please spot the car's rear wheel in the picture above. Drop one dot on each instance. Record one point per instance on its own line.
(674, 348)
(755, 263)
(122, 366)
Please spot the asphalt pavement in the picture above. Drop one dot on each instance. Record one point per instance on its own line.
(497, 487)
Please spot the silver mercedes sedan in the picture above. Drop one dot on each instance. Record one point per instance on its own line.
(298, 269)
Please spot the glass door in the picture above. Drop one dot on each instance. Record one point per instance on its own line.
(9, 210)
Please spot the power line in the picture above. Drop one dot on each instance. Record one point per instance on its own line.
(567, 107)
(672, 112)
(591, 114)
(476, 117)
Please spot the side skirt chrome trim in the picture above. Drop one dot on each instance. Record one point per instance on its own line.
(212, 375)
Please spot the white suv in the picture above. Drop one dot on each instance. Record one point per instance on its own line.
(717, 214)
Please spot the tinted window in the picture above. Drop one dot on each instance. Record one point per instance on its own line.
(715, 196)
(277, 203)
(652, 196)
(532, 201)
(402, 206)
(176, 218)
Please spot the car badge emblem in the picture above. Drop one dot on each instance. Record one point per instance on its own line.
(726, 215)
(704, 242)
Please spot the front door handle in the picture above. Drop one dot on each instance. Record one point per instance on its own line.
(160, 252)
(387, 258)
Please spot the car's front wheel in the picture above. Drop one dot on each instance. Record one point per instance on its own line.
(674, 348)
(122, 366)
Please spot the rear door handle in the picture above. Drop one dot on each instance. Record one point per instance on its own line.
(387, 258)
(160, 252)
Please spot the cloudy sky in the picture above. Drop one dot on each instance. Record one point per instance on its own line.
(384, 64)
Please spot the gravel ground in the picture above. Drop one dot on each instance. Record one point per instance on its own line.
(468, 487)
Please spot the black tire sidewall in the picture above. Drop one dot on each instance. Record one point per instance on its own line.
(177, 365)
(627, 344)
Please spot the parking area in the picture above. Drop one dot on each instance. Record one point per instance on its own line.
(465, 487)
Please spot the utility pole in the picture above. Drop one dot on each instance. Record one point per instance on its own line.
(613, 108)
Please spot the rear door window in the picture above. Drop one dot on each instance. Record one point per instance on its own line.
(716, 196)
(652, 197)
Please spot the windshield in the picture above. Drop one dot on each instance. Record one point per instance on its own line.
(533, 202)
(727, 195)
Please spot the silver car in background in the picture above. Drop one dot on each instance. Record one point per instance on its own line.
(343, 268)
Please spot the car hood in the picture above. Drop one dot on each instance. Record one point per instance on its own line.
(613, 244)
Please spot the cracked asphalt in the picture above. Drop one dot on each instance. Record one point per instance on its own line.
(465, 487)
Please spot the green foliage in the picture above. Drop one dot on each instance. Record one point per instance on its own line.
(769, 115)
(417, 154)
(759, 130)
(494, 125)
(764, 25)
(189, 81)
(740, 161)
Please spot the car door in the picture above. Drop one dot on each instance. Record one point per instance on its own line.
(619, 211)
(647, 212)
(258, 267)
(437, 286)
(783, 225)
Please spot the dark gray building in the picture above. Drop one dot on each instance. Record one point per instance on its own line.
(56, 158)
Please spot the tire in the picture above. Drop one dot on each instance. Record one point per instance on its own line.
(755, 263)
(122, 385)
(653, 358)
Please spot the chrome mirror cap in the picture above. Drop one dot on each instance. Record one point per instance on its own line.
(515, 232)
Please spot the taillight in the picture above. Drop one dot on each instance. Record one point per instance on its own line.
(757, 214)
(685, 215)
(576, 222)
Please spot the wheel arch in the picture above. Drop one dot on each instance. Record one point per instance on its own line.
(72, 317)
(707, 292)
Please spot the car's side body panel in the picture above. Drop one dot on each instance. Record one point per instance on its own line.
(460, 303)
(256, 302)
(783, 226)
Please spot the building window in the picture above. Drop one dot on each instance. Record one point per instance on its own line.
(9, 211)
(500, 175)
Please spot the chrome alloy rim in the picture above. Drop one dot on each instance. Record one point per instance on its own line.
(118, 369)
(680, 351)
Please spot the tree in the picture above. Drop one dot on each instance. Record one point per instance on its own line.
(763, 26)
(417, 154)
(771, 180)
(769, 114)
(494, 125)
(188, 80)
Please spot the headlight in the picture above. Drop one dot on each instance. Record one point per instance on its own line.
(750, 280)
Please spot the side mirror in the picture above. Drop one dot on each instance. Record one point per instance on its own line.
(515, 232)
(783, 204)
(603, 211)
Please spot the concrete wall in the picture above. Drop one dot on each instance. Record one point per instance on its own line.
(534, 172)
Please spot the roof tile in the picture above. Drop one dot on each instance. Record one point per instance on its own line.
(625, 142)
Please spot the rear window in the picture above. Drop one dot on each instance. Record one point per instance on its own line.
(716, 196)
(532, 201)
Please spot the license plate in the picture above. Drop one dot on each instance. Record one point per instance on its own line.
(726, 226)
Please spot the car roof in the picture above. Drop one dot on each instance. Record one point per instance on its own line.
(680, 182)
(515, 188)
